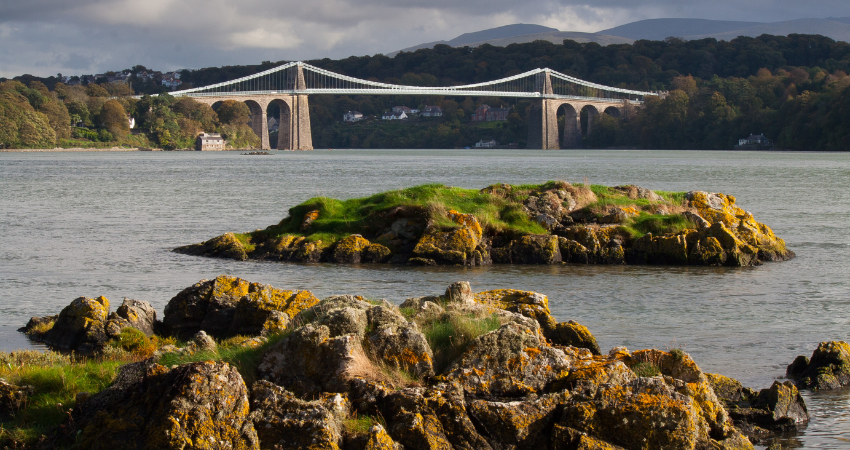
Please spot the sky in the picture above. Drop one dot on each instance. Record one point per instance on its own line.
(74, 37)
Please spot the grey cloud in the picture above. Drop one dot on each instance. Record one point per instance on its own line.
(83, 36)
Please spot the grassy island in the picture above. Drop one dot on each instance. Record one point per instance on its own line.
(550, 223)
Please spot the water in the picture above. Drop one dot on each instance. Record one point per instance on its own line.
(92, 224)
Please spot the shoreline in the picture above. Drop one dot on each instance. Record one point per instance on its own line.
(111, 149)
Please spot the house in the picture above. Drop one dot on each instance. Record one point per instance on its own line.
(432, 111)
(394, 116)
(480, 114)
(405, 109)
(486, 144)
(494, 114)
(273, 125)
(131, 121)
(171, 82)
(754, 142)
(352, 116)
(210, 142)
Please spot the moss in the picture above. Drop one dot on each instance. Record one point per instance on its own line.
(134, 341)
(657, 224)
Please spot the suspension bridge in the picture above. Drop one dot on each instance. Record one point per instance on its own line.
(290, 84)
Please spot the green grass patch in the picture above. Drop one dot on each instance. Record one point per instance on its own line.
(56, 381)
(657, 224)
(340, 218)
(244, 359)
(360, 424)
(646, 369)
(450, 335)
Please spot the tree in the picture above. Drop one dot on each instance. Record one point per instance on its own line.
(113, 118)
(232, 112)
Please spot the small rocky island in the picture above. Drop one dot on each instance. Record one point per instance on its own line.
(553, 223)
(241, 365)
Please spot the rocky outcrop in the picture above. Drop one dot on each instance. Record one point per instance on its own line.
(227, 306)
(198, 405)
(132, 314)
(356, 249)
(462, 245)
(224, 246)
(828, 368)
(285, 422)
(768, 413)
(345, 337)
(80, 326)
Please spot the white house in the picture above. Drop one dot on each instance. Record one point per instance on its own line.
(210, 142)
(352, 116)
(273, 125)
(486, 144)
(394, 116)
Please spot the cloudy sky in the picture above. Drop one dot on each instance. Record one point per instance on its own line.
(72, 37)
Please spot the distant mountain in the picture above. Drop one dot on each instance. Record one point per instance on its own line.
(689, 29)
(837, 28)
(519, 33)
(659, 29)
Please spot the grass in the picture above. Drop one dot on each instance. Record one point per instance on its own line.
(56, 380)
(657, 224)
(646, 369)
(360, 424)
(450, 335)
(244, 359)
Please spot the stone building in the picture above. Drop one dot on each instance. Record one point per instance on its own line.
(210, 142)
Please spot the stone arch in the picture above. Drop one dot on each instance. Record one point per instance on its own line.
(284, 123)
(258, 119)
(587, 116)
(571, 135)
(613, 111)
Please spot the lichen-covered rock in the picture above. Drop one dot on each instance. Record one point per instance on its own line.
(349, 250)
(573, 334)
(536, 249)
(760, 415)
(12, 398)
(228, 306)
(284, 422)
(645, 413)
(719, 208)
(587, 374)
(134, 314)
(36, 327)
(511, 361)
(375, 253)
(203, 342)
(519, 424)
(667, 249)
(195, 406)
(397, 343)
(637, 192)
(224, 246)
(593, 245)
(378, 439)
(828, 368)
(80, 326)
(457, 246)
(265, 310)
(566, 437)
(309, 361)
(459, 292)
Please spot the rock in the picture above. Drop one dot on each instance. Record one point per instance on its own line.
(570, 438)
(375, 253)
(511, 361)
(80, 326)
(285, 422)
(349, 249)
(459, 246)
(535, 249)
(402, 347)
(721, 209)
(828, 368)
(134, 314)
(518, 424)
(588, 374)
(227, 306)
(378, 439)
(572, 333)
(36, 327)
(224, 246)
(344, 321)
(645, 413)
(668, 249)
(459, 292)
(308, 219)
(761, 415)
(309, 361)
(265, 310)
(637, 192)
(198, 405)
(203, 342)
(697, 220)
(12, 399)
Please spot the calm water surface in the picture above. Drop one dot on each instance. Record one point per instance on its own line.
(92, 224)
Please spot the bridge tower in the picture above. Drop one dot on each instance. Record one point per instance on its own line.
(295, 131)
(542, 117)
